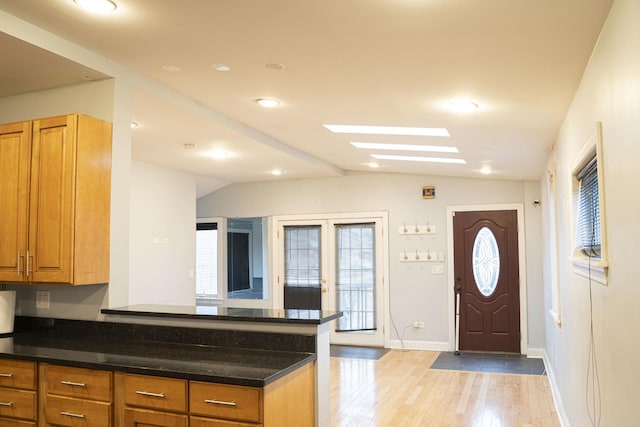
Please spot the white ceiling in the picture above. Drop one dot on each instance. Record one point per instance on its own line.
(373, 62)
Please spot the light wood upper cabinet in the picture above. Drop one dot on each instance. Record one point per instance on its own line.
(55, 186)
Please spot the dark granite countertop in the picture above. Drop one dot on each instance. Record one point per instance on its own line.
(303, 317)
(220, 364)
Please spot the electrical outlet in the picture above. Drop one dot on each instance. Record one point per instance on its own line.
(42, 299)
(418, 325)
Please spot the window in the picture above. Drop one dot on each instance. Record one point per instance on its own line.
(588, 221)
(486, 261)
(589, 240)
(355, 277)
(302, 256)
(206, 260)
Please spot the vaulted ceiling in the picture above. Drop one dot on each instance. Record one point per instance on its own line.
(348, 62)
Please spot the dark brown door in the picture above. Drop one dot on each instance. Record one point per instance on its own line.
(487, 276)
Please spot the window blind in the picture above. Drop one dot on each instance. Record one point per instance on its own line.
(588, 229)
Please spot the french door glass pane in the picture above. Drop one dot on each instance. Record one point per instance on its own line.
(302, 256)
(355, 276)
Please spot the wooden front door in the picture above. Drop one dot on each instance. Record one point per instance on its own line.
(487, 278)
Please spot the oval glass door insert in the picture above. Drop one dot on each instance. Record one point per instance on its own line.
(486, 261)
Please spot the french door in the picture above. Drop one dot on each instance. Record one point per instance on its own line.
(335, 264)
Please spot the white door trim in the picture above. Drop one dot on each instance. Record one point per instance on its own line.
(383, 247)
(522, 265)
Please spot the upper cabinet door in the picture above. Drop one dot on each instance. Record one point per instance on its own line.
(55, 199)
(15, 155)
(52, 200)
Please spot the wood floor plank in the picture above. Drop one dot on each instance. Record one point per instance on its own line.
(399, 390)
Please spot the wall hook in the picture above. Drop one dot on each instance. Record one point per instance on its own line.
(417, 229)
(417, 255)
(404, 229)
(406, 257)
(428, 227)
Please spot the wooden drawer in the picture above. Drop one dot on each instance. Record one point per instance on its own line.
(66, 411)
(80, 383)
(17, 403)
(17, 374)
(226, 401)
(166, 394)
(7, 422)
(134, 417)
(210, 422)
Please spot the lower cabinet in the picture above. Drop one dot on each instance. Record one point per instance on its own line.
(75, 397)
(46, 395)
(165, 402)
(18, 399)
(142, 418)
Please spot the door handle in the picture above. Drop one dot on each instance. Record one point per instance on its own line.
(27, 264)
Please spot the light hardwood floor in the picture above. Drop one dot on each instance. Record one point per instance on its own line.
(399, 390)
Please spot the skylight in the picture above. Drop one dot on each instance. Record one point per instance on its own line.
(388, 130)
(419, 159)
(405, 147)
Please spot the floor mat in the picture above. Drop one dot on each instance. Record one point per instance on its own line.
(371, 353)
(482, 362)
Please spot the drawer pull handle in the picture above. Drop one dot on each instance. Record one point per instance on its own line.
(6, 403)
(71, 383)
(71, 414)
(148, 393)
(6, 375)
(220, 402)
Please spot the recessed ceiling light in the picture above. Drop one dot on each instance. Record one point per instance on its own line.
(274, 66)
(463, 106)
(134, 125)
(405, 147)
(97, 6)
(486, 170)
(221, 67)
(374, 165)
(277, 172)
(172, 68)
(419, 159)
(268, 103)
(219, 154)
(388, 130)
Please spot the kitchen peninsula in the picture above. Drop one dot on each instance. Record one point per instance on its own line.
(275, 354)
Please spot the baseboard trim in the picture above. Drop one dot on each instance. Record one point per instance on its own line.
(535, 353)
(419, 345)
(555, 393)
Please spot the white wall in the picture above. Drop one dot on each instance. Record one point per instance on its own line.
(162, 239)
(95, 99)
(146, 201)
(610, 93)
(415, 293)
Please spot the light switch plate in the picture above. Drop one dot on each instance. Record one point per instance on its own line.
(437, 269)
